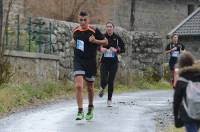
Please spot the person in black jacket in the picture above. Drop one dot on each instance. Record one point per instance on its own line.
(189, 72)
(109, 61)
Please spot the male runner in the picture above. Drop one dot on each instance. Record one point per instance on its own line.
(87, 40)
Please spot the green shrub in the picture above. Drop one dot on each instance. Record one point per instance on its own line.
(23, 41)
(151, 74)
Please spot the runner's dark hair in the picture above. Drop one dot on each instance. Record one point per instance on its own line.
(110, 22)
(83, 13)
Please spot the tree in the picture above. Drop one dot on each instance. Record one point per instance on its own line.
(5, 73)
(77, 6)
(4, 24)
(1, 23)
(60, 9)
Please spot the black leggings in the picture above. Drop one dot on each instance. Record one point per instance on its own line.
(108, 71)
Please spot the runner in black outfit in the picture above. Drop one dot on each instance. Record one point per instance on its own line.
(174, 48)
(109, 61)
(87, 40)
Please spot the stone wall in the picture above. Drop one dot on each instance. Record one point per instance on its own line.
(31, 67)
(143, 49)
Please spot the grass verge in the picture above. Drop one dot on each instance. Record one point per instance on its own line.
(173, 129)
(14, 96)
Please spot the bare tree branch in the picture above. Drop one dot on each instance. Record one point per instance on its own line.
(5, 66)
(76, 8)
(2, 48)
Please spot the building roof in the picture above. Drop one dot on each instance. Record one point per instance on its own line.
(190, 26)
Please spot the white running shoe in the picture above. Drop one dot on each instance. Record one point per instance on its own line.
(109, 103)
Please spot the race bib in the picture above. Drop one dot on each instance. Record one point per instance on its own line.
(109, 54)
(80, 45)
(175, 53)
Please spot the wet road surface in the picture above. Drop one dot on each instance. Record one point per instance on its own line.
(132, 112)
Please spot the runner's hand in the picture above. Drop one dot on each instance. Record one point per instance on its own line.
(92, 39)
(103, 49)
(113, 49)
(175, 48)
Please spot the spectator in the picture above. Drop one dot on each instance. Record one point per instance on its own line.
(191, 73)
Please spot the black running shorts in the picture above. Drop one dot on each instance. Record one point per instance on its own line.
(87, 68)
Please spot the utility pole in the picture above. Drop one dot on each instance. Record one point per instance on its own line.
(132, 17)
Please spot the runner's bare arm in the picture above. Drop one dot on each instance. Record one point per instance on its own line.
(103, 42)
(72, 43)
(168, 51)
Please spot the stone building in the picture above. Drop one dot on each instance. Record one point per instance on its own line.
(140, 15)
(161, 15)
(189, 33)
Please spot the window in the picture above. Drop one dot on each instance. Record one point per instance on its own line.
(190, 8)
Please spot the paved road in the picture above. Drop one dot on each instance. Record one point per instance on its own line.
(133, 112)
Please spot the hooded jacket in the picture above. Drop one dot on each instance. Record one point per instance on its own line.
(190, 73)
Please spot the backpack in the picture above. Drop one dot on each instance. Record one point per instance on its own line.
(192, 101)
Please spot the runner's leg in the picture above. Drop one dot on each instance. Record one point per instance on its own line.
(111, 78)
(79, 91)
(90, 88)
(104, 75)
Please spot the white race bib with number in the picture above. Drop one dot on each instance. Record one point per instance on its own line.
(109, 54)
(80, 45)
(175, 53)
